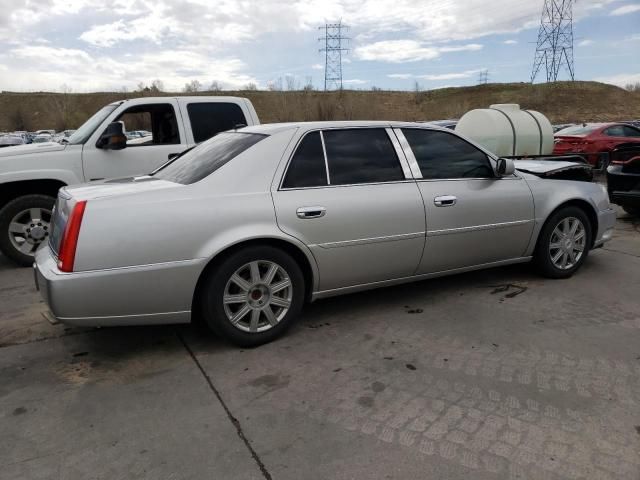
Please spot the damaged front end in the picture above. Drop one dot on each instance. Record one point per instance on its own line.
(566, 167)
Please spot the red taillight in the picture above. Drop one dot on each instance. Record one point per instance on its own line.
(67, 251)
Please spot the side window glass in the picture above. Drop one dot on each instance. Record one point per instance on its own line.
(154, 124)
(307, 167)
(363, 155)
(631, 132)
(208, 119)
(616, 131)
(443, 155)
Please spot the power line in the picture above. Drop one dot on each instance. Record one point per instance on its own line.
(333, 38)
(554, 48)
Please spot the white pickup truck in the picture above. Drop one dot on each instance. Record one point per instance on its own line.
(30, 175)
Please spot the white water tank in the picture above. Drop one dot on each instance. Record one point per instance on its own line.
(506, 130)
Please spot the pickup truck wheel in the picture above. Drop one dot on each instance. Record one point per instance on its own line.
(25, 223)
(253, 296)
(563, 244)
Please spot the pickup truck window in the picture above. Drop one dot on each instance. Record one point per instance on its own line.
(194, 165)
(83, 133)
(208, 119)
(159, 119)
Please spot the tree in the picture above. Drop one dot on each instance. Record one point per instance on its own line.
(292, 83)
(192, 86)
(250, 86)
(157, 86)
(215, 86)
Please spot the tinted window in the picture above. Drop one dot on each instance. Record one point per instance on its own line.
(631, 132)
(444, 155)
(206, 158)
(307, 168)
(157, 119)
(578, 130)
(615, 131)
(361, 156)
(207, 119)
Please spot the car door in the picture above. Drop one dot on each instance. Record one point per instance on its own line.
(473, 216)
(349, 196)
(142, 155)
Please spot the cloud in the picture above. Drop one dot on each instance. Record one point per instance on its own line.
(510, 42)
(626, 9)
(399, 51)
(318, 66)
(621, 79)
(355, 81)
(585, 43)
(437, 76)
(401, 76)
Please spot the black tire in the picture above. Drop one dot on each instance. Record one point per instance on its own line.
(542, 256)
(633, 211)
(213, 290)
(8, 212)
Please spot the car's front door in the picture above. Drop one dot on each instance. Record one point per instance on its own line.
(348, 194)
(473, 216)
(143, 154)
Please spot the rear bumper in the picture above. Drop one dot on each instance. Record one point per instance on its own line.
(141, 295)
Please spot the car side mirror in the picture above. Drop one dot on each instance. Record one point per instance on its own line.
(505, 167)
(113, 138)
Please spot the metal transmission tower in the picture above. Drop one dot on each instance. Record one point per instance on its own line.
(333, 38)
(483, 77)
(555, 40)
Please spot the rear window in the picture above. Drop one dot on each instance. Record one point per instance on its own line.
(578, 130)
(203, 160)
(207, 119)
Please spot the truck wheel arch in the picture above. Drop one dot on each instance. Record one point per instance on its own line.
(12, 190)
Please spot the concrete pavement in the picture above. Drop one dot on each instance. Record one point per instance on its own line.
(489, 375)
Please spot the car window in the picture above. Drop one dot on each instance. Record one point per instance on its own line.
(364, 155)
(307, 167)
(615, 131)
(159, 119)
(631, 132)
(201, 161)
(578, 130)
(445, 155)
(208, 119)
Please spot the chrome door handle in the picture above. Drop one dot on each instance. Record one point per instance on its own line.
(445, 201)
(311, 212)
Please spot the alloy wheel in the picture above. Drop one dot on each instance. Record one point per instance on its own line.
(29, 228)
(257, 296)
(567, 243)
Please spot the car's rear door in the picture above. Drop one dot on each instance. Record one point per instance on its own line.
(348, 194)
(473, 217)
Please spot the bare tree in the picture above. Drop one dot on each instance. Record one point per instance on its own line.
(215, 86)
(275, 85)
(250, 86)
(417, 88)
(308, 84)
(192, 86)
(157, 86)
(292, 83)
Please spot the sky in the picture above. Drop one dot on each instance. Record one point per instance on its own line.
(97, 45)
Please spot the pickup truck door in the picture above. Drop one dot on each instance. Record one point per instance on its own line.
(163, 120)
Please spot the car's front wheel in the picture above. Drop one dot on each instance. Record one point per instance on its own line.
(25, 223)
(253, 296)
(563, 244)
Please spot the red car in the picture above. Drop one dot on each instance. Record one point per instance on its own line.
(591, 139)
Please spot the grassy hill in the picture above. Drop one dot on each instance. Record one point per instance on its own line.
(561, 102)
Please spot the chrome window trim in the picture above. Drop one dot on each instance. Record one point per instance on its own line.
(351, 185)
(413, 163)
(399, 153)
(326, 161)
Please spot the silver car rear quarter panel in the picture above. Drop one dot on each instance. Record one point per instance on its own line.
(145, 294)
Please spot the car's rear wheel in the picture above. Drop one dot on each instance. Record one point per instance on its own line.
(25, 223)
(563, 244)
(253, 296)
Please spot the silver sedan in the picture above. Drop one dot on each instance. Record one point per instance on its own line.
(248, 226)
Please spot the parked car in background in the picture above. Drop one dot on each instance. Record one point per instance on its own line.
(255, 221)
(42, 138)
(562, 126)
(593, 139)
(43, 132)
(450, 124)
(623, 178)
(11, 140)
(31, 175)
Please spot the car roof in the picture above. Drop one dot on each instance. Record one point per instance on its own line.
(271, 128)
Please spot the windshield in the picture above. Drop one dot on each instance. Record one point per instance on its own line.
(578, 130)
(86, 130)
(206, 158)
